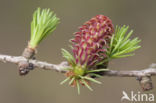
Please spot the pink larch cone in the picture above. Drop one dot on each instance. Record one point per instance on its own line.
(91, 41)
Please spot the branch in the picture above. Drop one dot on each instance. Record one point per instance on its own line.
(144, 76)
(134, 73)
(36, 63)
(60, 67)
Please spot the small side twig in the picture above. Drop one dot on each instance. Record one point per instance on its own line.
(24, 66)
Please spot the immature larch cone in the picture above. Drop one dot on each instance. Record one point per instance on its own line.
(91, 41)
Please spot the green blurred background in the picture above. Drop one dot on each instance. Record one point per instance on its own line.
(41, 86)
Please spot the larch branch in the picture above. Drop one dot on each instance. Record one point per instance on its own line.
(151, 71)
